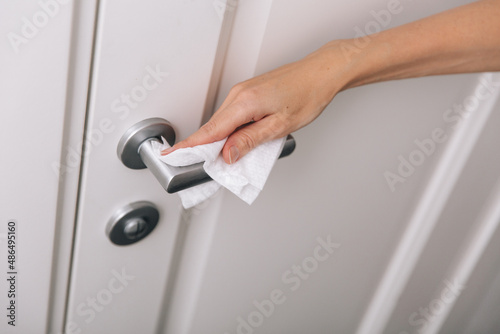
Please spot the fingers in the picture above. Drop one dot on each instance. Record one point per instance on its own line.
(247, 138)
(221, 125)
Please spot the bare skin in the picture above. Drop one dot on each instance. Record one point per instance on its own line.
(462, 40)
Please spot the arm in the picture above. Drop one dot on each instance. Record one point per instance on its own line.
(461, 40)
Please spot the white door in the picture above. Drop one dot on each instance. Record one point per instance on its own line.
(383, 220)
(334, 244)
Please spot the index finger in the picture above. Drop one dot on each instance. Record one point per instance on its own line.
(220, 126)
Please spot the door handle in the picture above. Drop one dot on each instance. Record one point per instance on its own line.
(136, 152)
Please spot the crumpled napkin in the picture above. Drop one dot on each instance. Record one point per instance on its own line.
(245, 178)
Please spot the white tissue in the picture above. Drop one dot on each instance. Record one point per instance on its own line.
(245, 178)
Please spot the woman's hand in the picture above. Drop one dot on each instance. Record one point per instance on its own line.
(271, 105)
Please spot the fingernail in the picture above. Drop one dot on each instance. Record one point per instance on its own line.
(234, 154)
(167, 151)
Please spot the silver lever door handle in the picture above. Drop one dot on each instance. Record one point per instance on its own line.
(135, 151)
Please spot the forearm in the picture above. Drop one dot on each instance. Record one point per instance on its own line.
(461, 40)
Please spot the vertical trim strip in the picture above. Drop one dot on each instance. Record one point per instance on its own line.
(190, 257)
(84, 16)
(220, 56)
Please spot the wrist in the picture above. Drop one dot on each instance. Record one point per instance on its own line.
(363, 60)
(349, 58)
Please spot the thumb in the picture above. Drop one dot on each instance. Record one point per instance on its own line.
(249, 137)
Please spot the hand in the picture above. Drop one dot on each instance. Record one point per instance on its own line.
(271, 105)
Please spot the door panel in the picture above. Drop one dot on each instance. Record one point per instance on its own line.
(152, 59)
(333, 185)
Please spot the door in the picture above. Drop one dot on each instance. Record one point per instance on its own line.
(388, 225)
(333, 245)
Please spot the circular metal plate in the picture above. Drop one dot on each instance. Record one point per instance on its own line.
(128, 147)
(118, 228)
